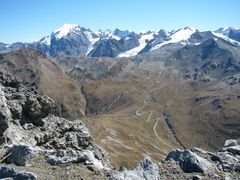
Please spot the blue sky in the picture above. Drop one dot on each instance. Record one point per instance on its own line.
(26, 20)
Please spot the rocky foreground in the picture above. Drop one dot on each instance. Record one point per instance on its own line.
(36, 144)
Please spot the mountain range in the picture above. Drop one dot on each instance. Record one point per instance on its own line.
(74, 40)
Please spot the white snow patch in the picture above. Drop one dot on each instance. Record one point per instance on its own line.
(196, 44)
(65, 29)
(92, 40)
(142, 41)
(115, 37)
(181, 35)
(127, 38)
(90, 37)
(46, 40)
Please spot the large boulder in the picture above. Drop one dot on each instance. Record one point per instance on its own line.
(229, 156)
(9, 173)
(33, 107)
(15, 108)
(37, 107)
(17, 135)
(62, 156)
(189, 161)
(20, 154)
(146, 170)
(60, 133)
(232, 145)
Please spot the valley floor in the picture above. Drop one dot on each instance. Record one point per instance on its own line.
(158, 113)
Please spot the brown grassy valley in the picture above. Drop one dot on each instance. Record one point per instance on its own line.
(160, 112)
(133, 109)
(137, 109)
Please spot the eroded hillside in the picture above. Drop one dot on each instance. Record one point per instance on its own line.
(36, 71)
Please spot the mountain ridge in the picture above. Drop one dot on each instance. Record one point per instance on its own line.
(74, 40)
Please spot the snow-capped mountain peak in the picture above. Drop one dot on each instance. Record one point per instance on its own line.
(65, 29)
(144, 39)
(226, 30)
(179, 36)
(182, 34)
(223, 30)
(121, 34)
(190, 28)
(107, 34)
(74, 40)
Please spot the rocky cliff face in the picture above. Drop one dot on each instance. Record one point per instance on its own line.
(29, 131)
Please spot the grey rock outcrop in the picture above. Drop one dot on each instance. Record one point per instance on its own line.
(37, 107)
(16, 109)
(29, 130)
(5, 113)
(62, 156)
(189, 164)
(189, 161)
(71, 142)
(20, 154)
(61, 133)
(9, 173)
(232, 146)
(22, 104)
(229, 156)
(146, 170)
(224, 163)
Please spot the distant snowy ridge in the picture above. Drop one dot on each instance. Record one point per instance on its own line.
(180, 36)
(142, 41)
(74, 40)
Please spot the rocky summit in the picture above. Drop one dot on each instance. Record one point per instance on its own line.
(30, 131)
(36, 144)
